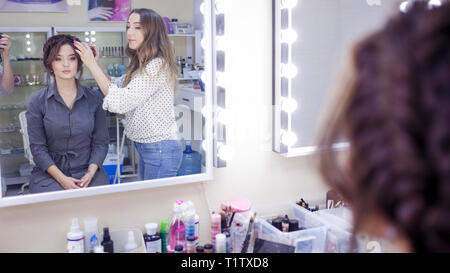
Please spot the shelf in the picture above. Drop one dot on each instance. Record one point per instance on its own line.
(182, 35)
(112, 57)
(28, 85)
(13, 107)
(35, 60)
(15, 130)
(14, 151)
(188, 79)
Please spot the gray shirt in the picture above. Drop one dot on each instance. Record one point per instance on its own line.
(2, 90)
(69, 139)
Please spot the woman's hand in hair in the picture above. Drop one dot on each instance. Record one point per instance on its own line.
(86, 54)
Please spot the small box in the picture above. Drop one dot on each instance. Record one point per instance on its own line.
(110, 166)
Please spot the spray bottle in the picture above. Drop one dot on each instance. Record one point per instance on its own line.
(75, 238)
(177, 231)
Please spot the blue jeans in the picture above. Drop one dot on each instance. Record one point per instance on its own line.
(160, 159)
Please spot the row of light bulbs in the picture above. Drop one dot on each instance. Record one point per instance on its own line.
(92, 38)
(431, 4)
(224, 151)
(28, 42)
(288, 71)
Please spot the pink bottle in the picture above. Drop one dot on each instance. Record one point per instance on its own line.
(177, 230)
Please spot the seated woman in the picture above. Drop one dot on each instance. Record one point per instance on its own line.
(66, 125)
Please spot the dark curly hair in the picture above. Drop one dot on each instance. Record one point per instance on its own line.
(395, 113)
(51, 49)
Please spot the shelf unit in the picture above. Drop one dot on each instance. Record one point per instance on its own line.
(26, 59)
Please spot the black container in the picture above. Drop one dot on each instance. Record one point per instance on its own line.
(277, 222)
(208, 248)
(293, 225)
(200, 249)
(107, 243)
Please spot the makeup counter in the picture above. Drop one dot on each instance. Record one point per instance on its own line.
(234, 227)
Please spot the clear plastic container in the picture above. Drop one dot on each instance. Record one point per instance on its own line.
(339, 227)
(310, 239)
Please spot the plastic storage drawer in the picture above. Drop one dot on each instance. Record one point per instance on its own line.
(339, 228)
(311, 239)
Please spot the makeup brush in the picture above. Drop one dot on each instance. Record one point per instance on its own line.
(249, 234)
(223, 221)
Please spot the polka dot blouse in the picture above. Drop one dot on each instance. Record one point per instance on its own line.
(147, 102)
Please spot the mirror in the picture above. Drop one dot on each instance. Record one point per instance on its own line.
(311, 41)
(190, 33)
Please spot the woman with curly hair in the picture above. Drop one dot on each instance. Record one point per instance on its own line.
(395, 111)
(66, 125)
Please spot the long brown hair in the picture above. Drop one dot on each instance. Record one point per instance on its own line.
(156, 44)
(395, 112)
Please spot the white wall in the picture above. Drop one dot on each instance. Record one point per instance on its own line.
(265, 178)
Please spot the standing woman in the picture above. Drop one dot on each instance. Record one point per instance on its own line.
(145, 94)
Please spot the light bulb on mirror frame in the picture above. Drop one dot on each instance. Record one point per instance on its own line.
(204, 43)
(221, 43)
(221, 79)
(288, 71)
(288, 4)
(434, 3)
(289, 105)
(288, 138)
(223, 116)
(404, 6)
(289, 36)
(222, 6)
(224, 152)
(203, 8)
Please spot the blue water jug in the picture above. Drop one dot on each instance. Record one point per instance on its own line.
(191, 163)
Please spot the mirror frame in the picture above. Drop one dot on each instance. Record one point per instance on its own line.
(208, 40)
(281, 121)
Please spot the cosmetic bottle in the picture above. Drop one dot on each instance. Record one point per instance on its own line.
(107, 243)
(221, 243)
(90, 234)
(200, 249)
(285, 224)
(164, 235)
(75, 238)
(178, 249)
(98, 249)
(131, 243)
(190, 244)
(277, 223)
(152, 239)
(208, 248)
(177, 231)
(293, 225)
(228, 241)
(215, 227)
(191, 220)
(111, 70)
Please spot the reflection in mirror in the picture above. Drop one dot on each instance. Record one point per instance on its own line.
(311, 42)
(92, 113)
